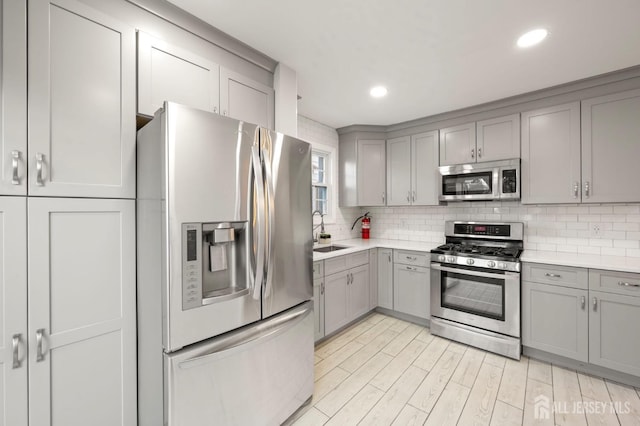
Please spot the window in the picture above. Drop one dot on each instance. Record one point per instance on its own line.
(323, 178)
(320, 180)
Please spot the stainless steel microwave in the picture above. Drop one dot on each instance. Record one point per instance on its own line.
(495, 180)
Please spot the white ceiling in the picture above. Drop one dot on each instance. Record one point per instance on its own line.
(433, 55)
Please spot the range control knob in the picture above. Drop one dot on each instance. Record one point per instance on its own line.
(451, 259)
(502, 265)
(491, 264)
(441, 258)
(470, 261)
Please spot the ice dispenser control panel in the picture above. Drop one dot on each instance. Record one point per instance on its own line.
(191, 265)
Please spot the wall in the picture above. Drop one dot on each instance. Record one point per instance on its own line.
(314, 132)
(560, 227)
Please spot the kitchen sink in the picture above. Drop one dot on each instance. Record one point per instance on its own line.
(329, 248)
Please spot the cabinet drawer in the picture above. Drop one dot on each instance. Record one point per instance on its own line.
(614, 282)
(341, 263)
(559, 275)
(416, 258)
(318, 269)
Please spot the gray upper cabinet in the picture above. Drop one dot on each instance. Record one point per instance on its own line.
(498, 138)
(13, 92)
(551, 155)
(412, 170)
(81, 102)
(362, 172)
(611, 148)
(169, 73)
(458, 144)
(487, 140)
(245, 99)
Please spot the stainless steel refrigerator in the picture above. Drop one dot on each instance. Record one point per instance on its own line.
(225, 324)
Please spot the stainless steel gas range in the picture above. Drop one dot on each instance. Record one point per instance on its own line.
(475, 285)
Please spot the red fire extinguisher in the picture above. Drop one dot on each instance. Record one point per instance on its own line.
(366, 225)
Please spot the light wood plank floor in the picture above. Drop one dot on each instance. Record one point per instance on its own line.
(385, 371)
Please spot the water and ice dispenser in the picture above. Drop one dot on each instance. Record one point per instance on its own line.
(214, 262)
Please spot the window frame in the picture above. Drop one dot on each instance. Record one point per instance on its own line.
(331, 178)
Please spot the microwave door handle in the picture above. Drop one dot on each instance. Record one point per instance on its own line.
(270, 215)
(257, 203)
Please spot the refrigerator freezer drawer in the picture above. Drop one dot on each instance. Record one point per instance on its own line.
(258, 375)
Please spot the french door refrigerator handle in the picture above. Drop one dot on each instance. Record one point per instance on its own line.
(259, 203)
(270, 202)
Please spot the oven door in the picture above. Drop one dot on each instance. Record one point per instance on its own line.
(487, 300)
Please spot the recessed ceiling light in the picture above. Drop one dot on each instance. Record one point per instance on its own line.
(532, 37)
(378, 92)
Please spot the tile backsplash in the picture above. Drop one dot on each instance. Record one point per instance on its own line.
(605, 229)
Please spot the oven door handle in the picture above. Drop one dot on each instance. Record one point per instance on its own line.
(438, 267)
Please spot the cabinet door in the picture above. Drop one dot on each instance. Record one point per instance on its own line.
(358, 292)
(82, 312)
(425, 177)
(13, 92)
(373, 278)
(385, 278)
(458, 144)
(614, 341)
(555, 320)
(336, 312)
(498, 138)
(13, 311)
(81, 102)
(411, 290)
(247, 100)
(168, 73)
(371, 167)
(318, 308)
(399, 171)
(611, 148)
(551, 155)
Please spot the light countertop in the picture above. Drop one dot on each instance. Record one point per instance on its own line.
(611, 263)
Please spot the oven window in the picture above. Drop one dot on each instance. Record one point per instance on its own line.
(468, 183)
(472, 294)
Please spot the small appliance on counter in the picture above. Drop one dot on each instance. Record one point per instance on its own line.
(475, 285)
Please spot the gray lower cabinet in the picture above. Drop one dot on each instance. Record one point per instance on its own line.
(555, 320)
(385, 278)
(318, 299)
(346, 297)
(411, 290)
(587, 315)
(373, 278)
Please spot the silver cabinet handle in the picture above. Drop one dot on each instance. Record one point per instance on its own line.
(548, 274)
(626, 284)
(473, 153)
(408, 196)
(586, 189)
(414, 196)
(39, 164)
(215, 109)
(15, 157)
(411, 258)
(583, 301)
(39, 352)
(383, 197)
(479, 152)
(389, 255)
(595, 303)
(409, 268)
(224, 112)
(322, 287)
(15, 341)
(576, 187)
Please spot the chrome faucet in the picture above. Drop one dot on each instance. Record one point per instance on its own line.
(321, 224)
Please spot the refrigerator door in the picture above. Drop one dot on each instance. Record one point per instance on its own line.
(289, 255)
(258, 375)
(210, 185)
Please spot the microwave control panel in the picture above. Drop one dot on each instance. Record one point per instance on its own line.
(509, 181)
(191, 265)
